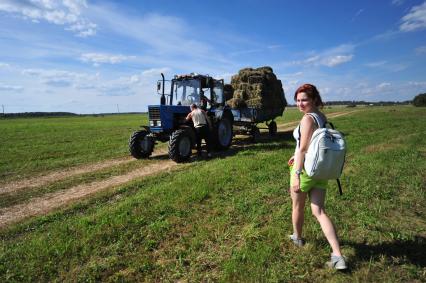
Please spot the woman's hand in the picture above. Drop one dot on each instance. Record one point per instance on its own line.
(291, 161)
(295, 183)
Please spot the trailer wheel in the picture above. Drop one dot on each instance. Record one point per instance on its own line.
(255, 134)
(224, 133)
(140, 144)
(180, 146)
(272, 128)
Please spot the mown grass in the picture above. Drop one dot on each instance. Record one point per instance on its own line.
(25, 194)
(228, 219)
(31, 146)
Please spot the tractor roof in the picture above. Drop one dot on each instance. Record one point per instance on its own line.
(193, 76)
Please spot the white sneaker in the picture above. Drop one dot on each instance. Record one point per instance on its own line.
(300, 242)
(337, 262)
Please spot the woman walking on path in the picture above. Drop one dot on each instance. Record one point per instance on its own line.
(309, 101)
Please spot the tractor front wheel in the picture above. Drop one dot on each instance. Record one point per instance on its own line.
(180, 146)
(141, 144)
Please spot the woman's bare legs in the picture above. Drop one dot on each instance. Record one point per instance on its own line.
(298, 212)
(317, 197)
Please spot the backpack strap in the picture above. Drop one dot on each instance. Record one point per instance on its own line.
(317, 119)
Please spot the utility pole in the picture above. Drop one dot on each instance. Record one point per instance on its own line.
(118, 109)
(3, 108)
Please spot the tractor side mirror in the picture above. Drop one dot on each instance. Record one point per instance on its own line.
(158, 87)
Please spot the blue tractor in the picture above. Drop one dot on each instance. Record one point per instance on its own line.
(167, 120)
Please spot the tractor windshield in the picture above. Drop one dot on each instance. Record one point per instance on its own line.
(186, 91)
(217, 95)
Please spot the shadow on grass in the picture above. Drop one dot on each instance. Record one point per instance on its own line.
(266, 142)
(410, 251)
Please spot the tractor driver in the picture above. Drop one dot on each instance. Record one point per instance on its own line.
(204, 100)
(199, 118)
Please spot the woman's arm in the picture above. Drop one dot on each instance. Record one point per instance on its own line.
(307, 127)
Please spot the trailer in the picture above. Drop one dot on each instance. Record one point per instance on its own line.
(247, 120)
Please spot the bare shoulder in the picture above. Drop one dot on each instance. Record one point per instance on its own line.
(307, 121)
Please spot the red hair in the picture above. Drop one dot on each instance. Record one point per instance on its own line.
(312, 92)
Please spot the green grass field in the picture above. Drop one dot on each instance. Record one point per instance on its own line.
(226, 219)
(30, 146)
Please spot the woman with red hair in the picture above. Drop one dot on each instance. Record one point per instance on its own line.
(309, 102)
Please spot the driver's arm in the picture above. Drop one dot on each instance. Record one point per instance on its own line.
(189, 116)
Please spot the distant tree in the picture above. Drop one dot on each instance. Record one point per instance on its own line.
(420, 100)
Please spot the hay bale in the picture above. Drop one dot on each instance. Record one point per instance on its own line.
(260, 89)
(240, 94)
(256, 79)
(237, 103)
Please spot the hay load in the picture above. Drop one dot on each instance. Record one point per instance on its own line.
(257, 88)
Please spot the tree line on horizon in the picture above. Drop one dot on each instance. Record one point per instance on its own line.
(419, 101)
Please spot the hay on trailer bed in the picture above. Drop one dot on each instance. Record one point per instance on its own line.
(258, 88)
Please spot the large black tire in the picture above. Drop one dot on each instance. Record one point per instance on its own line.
(255, 134)
(272, 128)
(140, 144)
(223, 133)
(180, 146)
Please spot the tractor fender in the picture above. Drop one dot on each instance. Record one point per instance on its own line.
(224, 113)
(191, 133)
(146, 128)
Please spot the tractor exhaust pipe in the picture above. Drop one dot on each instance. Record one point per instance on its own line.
(163, 97)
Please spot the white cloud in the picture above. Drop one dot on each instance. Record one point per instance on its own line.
(333, 61)
(383, 85)
(331, 57)
(375, 64)
(60, 78)
(357, 14)
(388, 66)
(4, 87)
(421, 84)
(166, 35)
(397, 2)
(415, 19)
(421, 50)
(4, 65)
(102, 58)
(66, 13)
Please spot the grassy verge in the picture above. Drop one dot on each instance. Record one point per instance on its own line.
(228, 219)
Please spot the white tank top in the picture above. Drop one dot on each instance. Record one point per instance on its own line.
(319, 120)
(198, 118)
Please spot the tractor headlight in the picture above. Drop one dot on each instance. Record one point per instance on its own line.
(151, 123)
(159, 123)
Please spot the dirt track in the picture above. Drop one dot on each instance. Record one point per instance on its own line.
(50, 201)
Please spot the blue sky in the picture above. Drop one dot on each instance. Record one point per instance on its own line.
(88, 56)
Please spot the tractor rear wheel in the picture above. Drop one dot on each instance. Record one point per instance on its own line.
(255, 134)
(141, 144)
(224, 133)
(272, 128)
(180, 146)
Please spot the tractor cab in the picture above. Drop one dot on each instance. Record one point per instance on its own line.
(202, 90)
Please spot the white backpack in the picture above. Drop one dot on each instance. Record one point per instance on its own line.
(325, 157)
